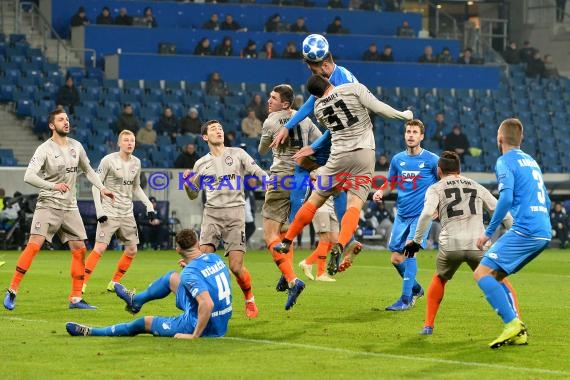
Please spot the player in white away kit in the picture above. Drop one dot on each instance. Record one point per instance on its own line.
(222, 174)
(459, 201)
(277, 206)
(120, 172)
(53, 169)
(344, 111)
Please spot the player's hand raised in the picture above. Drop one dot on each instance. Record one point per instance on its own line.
(281, 137)
(411, 249)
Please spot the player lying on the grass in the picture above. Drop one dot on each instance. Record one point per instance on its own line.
(344, 111)
(522, 192)
(202, 289)
(221, 174)
(120, 172)
(459, 201)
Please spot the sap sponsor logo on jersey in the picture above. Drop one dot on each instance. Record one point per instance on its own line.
(410, 175)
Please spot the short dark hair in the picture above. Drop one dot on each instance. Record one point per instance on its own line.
(186, 239)
(53, 114)
(449, 162)
(317, 85)
(204, 128)
(285, 93)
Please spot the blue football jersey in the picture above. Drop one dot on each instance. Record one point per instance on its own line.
(530, 209)
(208, 273)
(411, 176)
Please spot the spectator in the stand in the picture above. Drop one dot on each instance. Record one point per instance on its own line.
(187, 158)
(550, 70)
(273, 24)
(466, 57)
(405, 30)
(267, 51)
(335, 4)
(225, 48)
(336, 27)
(299, 26)
(437, 131)
(127, 120)
(371, 54)
(535, 67)
(149, 18)
(391, 6)
(511, 54)
(445, 56)
(526, 52)
(251, 125)
(79, 18)
(382, 163)
(368, 5)
(231, 24)
(291, 51)
(560, 10)
(259, 106)
(387, 55)
(191, 123)
(168, 123)
(250, 51)
(230, 139)
(559, 221)
(354, 4)
(104, 17)
(427, 56)
(457, 142)
(146, 135)
(68, 95)
(203, 47)
(154, 233)
(212, 23)
(123, 18)
(215, 85)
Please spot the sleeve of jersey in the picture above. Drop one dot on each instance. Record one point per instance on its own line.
(305, 110)
(102, 172)
(430, 206)
(505, 179)
(139, 193)
(380, 108)
(265, 141)
(31, 177)
(319, 142)
(88, 170)
(251, 166)
(194, 285)
(392, 171)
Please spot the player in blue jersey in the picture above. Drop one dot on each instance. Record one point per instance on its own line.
(203, 292)
(319, 149)
(522, 192)
(411, 173)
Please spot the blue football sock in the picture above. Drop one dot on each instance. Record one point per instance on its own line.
(400, 268)
(497, 298)
(410, 272)
(121, 329)
(160, 288)
(509, 297)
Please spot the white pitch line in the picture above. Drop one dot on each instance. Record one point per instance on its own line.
(401, 357)
(23, 319)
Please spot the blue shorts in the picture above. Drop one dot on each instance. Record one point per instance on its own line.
(404, 229)
(170, 326)
(512, 252)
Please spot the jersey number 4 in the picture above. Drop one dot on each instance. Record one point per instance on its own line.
(456, 194)
(334, 121)
(224, 290)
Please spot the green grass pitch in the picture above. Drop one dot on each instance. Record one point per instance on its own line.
(337, 330)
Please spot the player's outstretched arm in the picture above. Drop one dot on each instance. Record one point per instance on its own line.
(380, 108)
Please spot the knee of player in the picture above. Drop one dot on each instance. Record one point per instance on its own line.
(131, 250)
(397, 258)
